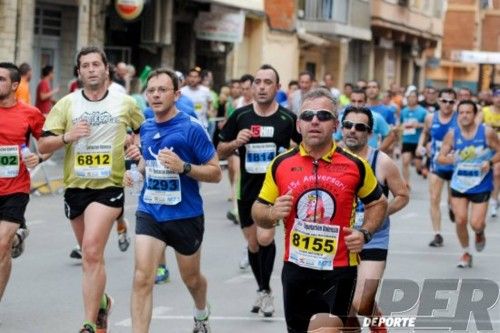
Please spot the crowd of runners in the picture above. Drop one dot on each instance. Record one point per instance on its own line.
(328, 166)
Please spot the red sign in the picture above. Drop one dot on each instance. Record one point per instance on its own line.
(129, 9)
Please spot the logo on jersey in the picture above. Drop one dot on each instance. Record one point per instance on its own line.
(259, 131)
(316, 206)
(97, 118)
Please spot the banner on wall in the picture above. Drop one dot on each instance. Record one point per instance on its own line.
(129, 9)
(221, 25)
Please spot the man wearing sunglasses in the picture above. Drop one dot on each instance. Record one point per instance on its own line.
(314, 188)
(382, 137)
(356, 129)
(259, 131)
(436, 125)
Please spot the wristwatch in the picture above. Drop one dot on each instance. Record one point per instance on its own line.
(186, 168)
(366, 234)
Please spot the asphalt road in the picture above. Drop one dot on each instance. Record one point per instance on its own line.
(44, 292)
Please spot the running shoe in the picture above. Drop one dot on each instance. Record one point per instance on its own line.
(76, 253)
(103, 315)
(437, 241)
(244, 262)
(465, 261)
(493, 209)
(258, 302)
(123, 241)
(123, 238)
(18, 248)
(201, 326)
(378, 328)
(267, 304)
(87, 329)
(480, 241)
(162, 275)
(233, 216)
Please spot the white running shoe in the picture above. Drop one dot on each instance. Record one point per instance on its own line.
(267, 305)
(258, 302)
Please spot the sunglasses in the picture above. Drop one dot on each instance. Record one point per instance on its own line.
(322, 115)
(360, 127)
(447, 101)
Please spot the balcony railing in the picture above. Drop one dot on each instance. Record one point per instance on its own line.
(324, 10)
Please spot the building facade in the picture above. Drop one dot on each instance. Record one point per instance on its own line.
(470, 25)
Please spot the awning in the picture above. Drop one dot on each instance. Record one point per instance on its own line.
(312, 39)
(252, 5)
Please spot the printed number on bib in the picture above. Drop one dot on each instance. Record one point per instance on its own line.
(313, 245)
(258, 156)
(9, 161)
(163, 186)
(93, 162)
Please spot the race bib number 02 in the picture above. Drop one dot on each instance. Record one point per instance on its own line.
(9, 161)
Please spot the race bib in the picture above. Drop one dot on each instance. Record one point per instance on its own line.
(258, 156)
(468, 175)
(313, 245)
(93, 162)
(163, 186)
(9, 161)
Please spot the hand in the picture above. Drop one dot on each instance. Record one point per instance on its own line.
(354, 239)
(282, 206)
(243, 137)
(420, 151)
(171, 160)
(133, 152)
(80, 130)
(31, 160)
(485, 167)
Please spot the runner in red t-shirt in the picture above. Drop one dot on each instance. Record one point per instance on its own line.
(19, 122)
(44, 92)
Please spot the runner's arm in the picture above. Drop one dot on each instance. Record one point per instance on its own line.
(424, 136)
(375, 213)
(444, 156)
(209, 172)
(396, 185)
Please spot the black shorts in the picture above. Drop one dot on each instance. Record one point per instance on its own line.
(445, 175)
(373, 255)
(76, 200)
(13, 207)
(184, 235)
(245, 213)
(307, 292)
(409, 148)
(472, 197)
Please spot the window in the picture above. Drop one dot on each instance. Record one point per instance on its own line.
(324, 10)
(47, 21)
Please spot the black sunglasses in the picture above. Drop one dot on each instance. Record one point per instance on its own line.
(447, 101)
(323, 115)
(360, 127)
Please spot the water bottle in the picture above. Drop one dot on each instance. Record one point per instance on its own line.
(25, 152)
(137, 179)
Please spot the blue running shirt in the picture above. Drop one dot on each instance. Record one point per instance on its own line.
(167, 195)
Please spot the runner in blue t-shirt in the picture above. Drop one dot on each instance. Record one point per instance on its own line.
(412, 123)
(473, 149)
(177, 154)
